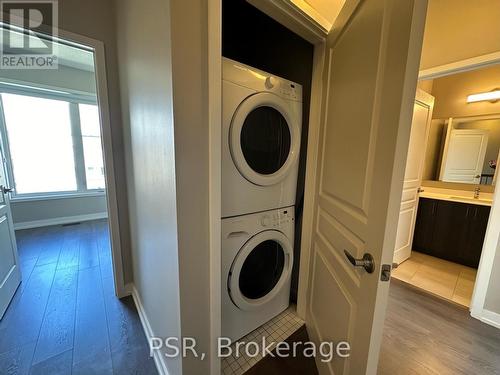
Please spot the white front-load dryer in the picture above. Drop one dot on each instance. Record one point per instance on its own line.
(257, 259)
(261, 126)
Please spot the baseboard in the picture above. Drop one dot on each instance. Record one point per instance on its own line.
(400, 256)
(161, 366)
(488, 317)
(59, 221)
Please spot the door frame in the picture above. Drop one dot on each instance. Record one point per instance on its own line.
(109, 160)
(490, 248)
(107, 145)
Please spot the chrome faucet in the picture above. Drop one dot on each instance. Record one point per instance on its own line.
(477, 190)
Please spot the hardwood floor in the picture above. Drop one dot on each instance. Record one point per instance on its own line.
(65, 318)
(300, 365)
(426, 335)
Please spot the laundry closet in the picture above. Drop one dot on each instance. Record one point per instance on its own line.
(266, 89)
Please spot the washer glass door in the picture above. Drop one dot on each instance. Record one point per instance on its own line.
(260, 269)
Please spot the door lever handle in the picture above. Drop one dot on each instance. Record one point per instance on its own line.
(367, 262)
(5, 190)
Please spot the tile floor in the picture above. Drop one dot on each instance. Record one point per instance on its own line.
(442, 278)
(276, 330)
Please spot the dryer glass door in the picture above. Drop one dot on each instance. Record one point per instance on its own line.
(265, 138)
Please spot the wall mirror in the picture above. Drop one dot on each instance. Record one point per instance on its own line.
(463, 150)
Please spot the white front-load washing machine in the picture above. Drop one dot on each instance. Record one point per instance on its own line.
(257, 259)
(261, 126)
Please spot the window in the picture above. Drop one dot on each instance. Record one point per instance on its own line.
(92, 149)
(54, 146)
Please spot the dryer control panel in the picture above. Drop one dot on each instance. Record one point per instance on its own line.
(289, 90)
(260, 81)
(277, 218)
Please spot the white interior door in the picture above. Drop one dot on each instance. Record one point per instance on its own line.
(420, 125)
(464, 157)
(10, 275)
(369, 85)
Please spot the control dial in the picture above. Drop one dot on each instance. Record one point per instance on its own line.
(271, 82)
(265, 221)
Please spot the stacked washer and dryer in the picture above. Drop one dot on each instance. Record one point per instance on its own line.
(261, 124)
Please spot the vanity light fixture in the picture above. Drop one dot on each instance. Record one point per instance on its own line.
(491, 96)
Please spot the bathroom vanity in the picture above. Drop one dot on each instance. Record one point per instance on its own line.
(451, 227)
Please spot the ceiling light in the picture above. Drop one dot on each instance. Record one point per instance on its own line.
(484, 96)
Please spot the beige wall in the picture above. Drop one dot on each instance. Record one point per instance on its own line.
(451, 93)
(425, 85)
(460, 29)
(164, 90)
(95, 19)
(146, 90)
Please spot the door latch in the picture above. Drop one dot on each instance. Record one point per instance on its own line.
(385, 274)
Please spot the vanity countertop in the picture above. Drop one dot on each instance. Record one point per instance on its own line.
(485, 199)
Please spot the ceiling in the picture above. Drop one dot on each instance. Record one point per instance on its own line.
(328, 9)
(324, 12)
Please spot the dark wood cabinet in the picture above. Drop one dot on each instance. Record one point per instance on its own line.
(451, 230)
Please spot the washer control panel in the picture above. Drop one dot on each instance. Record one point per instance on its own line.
(277, 218)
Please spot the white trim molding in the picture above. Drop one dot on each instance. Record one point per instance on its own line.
(161, 366)
(107, 144)
(291, 16)
(486, 316)
(460, 66)
(59, 221)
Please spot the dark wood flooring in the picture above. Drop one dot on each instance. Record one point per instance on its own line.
(65, 318)
(300, 365)
(423, 335)
(426, 335)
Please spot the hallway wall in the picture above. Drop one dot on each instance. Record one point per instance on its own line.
(146, 93)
